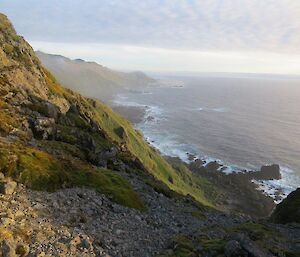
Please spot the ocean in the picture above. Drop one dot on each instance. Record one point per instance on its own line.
(242, 121)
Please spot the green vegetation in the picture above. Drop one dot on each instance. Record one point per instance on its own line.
(264, 235)
(4, 23)
(92, 128)
(184, 246)
(7, 118)
(216, 245)
(42, 171)
(8, 49)
(121, 132)
(256, 231)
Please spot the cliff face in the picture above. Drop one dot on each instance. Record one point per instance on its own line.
(53, 137)
(288, 211)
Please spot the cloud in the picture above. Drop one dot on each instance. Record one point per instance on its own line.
(129, 57)
(187, 35)
(251, 25)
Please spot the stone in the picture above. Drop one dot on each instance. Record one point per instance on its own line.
(22, 250)
(248, 245)
(7, 221)
(8, 187)
(52, 110)
(84, 244)
(233, 249)
(7, 249)
(268, 172)
(43, 128)
(198, 163)
(212, 166)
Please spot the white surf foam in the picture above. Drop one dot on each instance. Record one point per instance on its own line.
(170, 145)
(207, 109)
(279, 189)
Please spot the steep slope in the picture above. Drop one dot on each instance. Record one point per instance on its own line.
(92, 79)
(52, 139)
(52, 136)
(288, 210)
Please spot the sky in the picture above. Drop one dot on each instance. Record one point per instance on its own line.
(249, 36)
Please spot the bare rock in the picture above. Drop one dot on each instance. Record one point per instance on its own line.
(7, 248)
(234, 249)
(8, 187)
(270, 172)
(212, 166)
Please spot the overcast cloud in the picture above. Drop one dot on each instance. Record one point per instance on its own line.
(215, 26)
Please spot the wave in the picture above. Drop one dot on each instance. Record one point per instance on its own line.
(279, 189)
(171, 145)
(218, 109)
(152, 113)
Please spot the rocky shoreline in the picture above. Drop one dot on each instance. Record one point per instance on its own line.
(137, 114)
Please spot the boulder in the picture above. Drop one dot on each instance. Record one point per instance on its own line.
(51, 110)
(234, 249)
(247, 245)
(198, 163)
(270, 172)
(43, 128)
(7, 248)
(7, 187)
(212, 166)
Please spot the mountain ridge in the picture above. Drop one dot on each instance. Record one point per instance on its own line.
(92, 79)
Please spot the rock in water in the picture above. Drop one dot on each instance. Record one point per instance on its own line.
(270, 172)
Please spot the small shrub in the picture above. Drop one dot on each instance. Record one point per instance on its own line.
(8, 49)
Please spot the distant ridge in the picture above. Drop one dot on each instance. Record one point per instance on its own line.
(91, 78)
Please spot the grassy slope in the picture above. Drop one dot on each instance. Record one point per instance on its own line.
(42, 171)
(181, 181)
(117, 129)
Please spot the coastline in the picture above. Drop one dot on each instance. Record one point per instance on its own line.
(140, 115)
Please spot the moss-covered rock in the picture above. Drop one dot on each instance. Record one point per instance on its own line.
(42, 171)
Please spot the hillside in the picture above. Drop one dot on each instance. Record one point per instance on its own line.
(51, 124)
(92, 79)
(76, 179)
(288, 211)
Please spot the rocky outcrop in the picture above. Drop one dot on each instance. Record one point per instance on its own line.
(267, 172)
(288, 211)
(43, 128)
(7, 186)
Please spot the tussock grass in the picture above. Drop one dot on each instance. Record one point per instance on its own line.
(42, 171)
(178, 179)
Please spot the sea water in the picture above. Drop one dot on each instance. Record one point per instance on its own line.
(243, 121)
